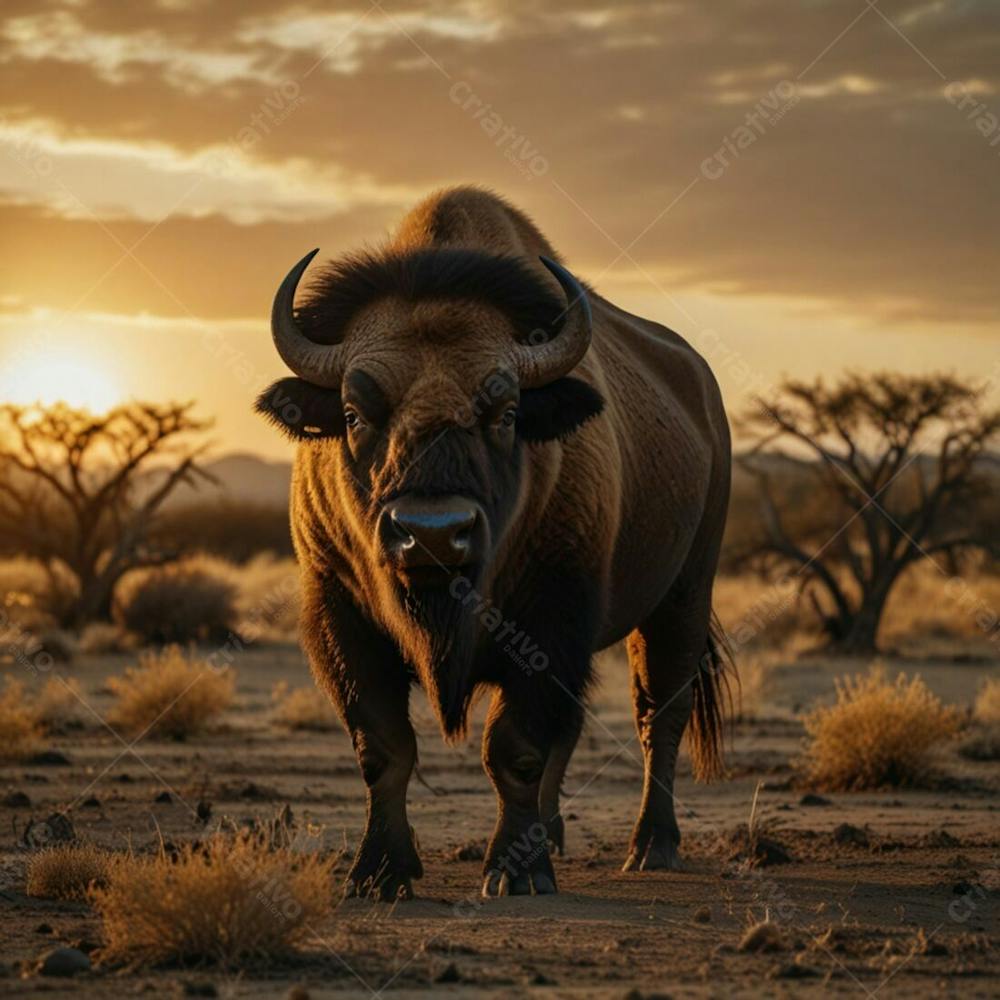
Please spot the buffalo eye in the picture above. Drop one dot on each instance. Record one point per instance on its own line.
(352, 419)
(508, 417)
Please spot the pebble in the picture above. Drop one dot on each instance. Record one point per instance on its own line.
(64, 962)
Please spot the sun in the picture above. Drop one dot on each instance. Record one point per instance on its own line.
(59, 375)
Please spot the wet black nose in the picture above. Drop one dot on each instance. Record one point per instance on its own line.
(431, 531)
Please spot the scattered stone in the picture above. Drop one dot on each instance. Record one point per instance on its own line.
(941, 838)
(92, 803)
(540, 979)
(43, 929)
(472, 850)
(297, 993)
(812, 799)
(203, 811)
(49, 758)
(846, 834)
(125, 778)
(64, 962)
(56, 829)
(449, 974)
(16, 800)
(763, 937)
(703, 915)
(164, 797)
(756, 850)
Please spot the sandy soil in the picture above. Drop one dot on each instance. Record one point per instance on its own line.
(910, 912)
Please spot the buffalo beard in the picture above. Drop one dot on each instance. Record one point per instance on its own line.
(445, 637)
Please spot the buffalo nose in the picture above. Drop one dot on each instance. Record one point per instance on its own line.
(432, 531)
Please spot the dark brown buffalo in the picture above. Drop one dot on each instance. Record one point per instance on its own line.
(499, 473)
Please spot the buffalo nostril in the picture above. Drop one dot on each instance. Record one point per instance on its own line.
(428, 532)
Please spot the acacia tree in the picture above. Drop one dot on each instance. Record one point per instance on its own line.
(81, 491)
(898, 462)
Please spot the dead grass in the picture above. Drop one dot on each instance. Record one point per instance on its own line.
(987, 706)
(226, 901)
(57, 707)
(303, 708)
(170, 695)
(21, 734)
(877, 734)
(68, 871)
(101, 638)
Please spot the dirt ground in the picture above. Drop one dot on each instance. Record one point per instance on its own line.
(905, 906)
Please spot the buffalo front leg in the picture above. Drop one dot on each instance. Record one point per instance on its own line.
(517, 860)
(369, 685)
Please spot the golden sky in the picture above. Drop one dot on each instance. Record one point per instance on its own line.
(797, 187)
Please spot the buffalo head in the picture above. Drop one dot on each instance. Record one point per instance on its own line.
(421, 379)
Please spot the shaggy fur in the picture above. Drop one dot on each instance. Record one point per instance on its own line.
(605, 499)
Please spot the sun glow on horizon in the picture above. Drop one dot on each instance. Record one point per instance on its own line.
(59, 374)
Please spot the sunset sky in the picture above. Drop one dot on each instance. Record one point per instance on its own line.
(796, 187)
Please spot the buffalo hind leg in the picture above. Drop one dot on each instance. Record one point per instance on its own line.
(664, 654)
(551, 785)
(517, 860)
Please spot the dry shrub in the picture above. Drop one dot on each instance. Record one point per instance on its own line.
(193, 600)
(987, 706)
(68, 871)
(169, 695)
(101, 638)
(33, 598)
(268, 600)
(57, 707)
(758, 614)
(877, 734)
(20, 732)
(303, 708)
(225, 901)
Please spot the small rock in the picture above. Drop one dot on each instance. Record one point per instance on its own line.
(16, 800)
(43, 929)
(473, 850)
(846, 834)
(297, 993)
(795, 970)
(540, 979)
(203, 811)
(765, 936)
(57, 828)
(449, 974)
(49, 758)
(164, 797)
(703, 915)
(812, 799)
(64, 962)
(125, 778)
(91, 803)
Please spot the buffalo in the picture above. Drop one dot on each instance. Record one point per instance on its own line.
(499, 473)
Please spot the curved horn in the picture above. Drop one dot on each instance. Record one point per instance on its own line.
(320, 364)
(539, 363)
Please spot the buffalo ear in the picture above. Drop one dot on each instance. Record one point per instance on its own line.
(301, 411)
(556, 410)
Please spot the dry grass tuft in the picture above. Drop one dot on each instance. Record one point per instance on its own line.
(877, 734)
(987, 706)
(303, 708)
(225, 901)
(68, 871)
(57, 706)
(268, 600)
(192, 600)
(20, 731)
(170, 695)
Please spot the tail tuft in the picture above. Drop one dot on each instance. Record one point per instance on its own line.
(713, 701)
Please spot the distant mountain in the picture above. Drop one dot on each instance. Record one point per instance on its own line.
(240, 478)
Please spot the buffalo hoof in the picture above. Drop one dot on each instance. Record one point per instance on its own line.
(521, 884)
(384, 875)
(658, 855)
